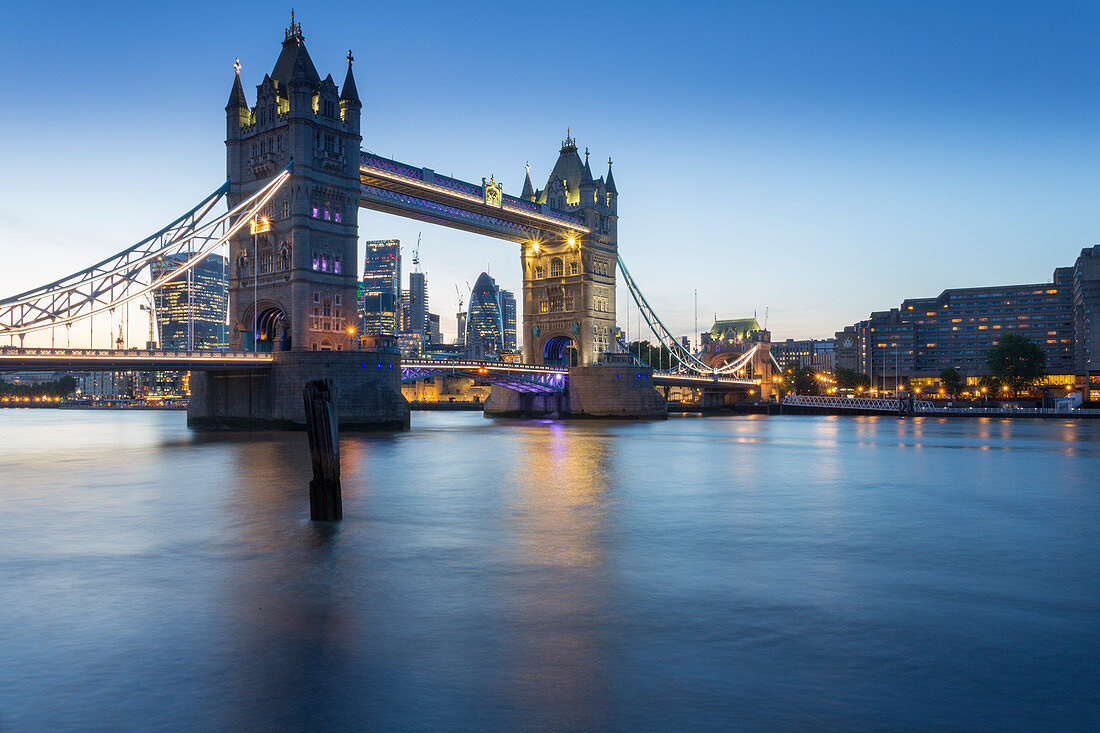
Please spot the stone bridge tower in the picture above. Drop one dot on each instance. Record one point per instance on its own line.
(569, 283)
(294, 287)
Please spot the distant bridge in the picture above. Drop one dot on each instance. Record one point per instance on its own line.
(863, 404)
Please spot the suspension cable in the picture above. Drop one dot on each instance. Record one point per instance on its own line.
(687, 359)
(117, 280)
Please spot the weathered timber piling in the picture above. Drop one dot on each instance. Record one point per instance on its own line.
(325, 504)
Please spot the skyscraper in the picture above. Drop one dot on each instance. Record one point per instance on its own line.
(192, 314)
(485, 322)
(418, 302)
(381, 290)
(508, 318)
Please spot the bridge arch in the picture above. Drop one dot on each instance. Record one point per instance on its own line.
(269, 331)
(559, 350)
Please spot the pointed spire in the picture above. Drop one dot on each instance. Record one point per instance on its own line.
(528, 189)
(610, 178)
(237, 99)
(586, 174)
(349, 92)
(568, 145)
(295, 29)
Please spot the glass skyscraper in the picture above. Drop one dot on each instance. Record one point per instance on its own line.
(485, 320)
(381, 288)
(192, 317)
(508, 317)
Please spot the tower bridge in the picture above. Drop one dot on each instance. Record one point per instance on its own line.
(297, 177)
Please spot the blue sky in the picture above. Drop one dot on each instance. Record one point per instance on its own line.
(823, 159)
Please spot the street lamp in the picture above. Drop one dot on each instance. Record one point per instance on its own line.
(351, 338)
(256, 227)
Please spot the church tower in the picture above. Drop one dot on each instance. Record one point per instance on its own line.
(569, 285)
(292, 282)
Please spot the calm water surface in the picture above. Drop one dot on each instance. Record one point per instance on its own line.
(695, 574)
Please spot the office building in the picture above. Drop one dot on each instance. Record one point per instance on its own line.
(485, 320)
(380, 292)
(923, 336)
(418, 302)
(817, 354)
(508, 319)
(1086, 299)
(433, 335)
(191, 311)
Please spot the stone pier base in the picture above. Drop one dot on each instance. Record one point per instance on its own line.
(367, 384)
(616, 391)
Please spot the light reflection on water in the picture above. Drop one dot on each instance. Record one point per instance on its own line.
(707, 573)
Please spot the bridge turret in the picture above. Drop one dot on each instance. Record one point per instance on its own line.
(588, 184)
(237, 113)
(237, 118)
(612, 192)
(350, 106)
(528, 190)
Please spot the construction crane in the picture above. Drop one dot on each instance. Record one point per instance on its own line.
(459, 294)
(416, 254)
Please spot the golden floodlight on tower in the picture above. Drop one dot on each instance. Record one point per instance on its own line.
(259, 226)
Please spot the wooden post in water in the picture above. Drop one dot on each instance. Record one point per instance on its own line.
(325, 504)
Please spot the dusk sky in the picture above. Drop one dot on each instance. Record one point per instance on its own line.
(823, 159)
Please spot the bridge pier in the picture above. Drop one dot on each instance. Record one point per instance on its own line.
(367, 386)
(605, 391)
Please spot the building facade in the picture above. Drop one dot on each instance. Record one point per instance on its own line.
(818, 354)
(956, 329)
(1086, 299)
(508, 318)
(418, 303)
(485, 319)
(381, 288)
(191, 311)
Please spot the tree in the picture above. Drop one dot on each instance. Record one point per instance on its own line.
(658, 357)
(850, 379)
(800, 380)
(951, 380)
(1016, 361)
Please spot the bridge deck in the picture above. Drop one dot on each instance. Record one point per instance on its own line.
(14, 358)
(420, 193)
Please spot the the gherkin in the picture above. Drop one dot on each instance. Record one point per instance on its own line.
(485, 321)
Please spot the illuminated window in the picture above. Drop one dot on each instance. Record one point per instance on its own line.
(316, 259)
(544, 306)
(314, 212)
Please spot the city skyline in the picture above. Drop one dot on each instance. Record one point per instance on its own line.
(832, 164)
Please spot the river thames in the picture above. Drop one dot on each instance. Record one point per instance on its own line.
(749, 572)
